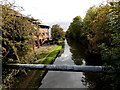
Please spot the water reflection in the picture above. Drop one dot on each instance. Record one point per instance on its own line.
(56, 79)
(78, 52)
(94, 81)
(75, 53)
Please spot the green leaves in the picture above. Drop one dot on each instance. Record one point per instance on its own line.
(75, 28)
(17, 42)
(57, 32)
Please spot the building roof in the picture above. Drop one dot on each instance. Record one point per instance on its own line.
(43, 26)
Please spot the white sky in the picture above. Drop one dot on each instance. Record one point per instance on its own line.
(56, 11)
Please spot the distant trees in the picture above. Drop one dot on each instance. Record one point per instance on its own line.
(57, 32)
(75, 28)
(92, 29)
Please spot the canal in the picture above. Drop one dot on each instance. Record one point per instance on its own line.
(61, 79)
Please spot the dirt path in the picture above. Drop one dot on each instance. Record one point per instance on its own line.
(26, 81)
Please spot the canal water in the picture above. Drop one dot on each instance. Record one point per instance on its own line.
(62, 79)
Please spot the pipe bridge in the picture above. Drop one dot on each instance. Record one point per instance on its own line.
(73, 68)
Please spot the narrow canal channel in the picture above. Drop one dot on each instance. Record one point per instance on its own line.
(61, 79)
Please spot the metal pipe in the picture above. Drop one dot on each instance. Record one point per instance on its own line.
(74, 68)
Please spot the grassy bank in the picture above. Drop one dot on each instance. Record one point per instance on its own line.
(52, 55)
(46, 57)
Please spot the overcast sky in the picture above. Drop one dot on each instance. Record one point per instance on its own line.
(56, 11)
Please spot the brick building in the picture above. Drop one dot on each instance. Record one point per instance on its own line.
(44, 35)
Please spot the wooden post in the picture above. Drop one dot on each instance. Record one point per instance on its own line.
(74, 68)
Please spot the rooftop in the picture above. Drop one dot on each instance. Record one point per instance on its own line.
(43, 26)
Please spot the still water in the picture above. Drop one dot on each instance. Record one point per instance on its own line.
(61, 79)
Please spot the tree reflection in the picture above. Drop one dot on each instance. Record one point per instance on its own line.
(94, 81)
(77, 52)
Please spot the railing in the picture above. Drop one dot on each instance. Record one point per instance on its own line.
(74, 68)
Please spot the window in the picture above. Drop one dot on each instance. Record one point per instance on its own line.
(43, 33)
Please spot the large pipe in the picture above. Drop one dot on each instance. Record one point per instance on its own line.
(75, 68)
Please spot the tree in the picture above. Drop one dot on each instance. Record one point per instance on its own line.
(74, 30)
(17, 45)
(57, 32)
(36, 30)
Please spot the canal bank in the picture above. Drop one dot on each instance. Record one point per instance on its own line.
(32, 78)
(56, 79)
(39, 75)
